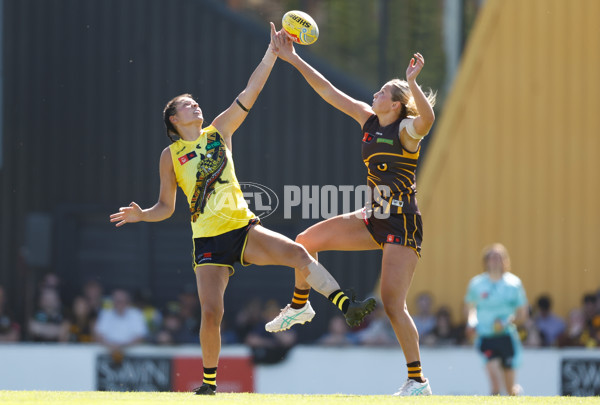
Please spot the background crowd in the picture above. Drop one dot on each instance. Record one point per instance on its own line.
(120, 318)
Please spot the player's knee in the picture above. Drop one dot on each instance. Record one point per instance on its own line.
(212, 314)
(394, 307)
(297, 254)
(303, 239)
(307, 240)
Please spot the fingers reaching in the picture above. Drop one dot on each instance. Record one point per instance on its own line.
(414, 66)
(126, 215)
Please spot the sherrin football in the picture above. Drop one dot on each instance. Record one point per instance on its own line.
(301, 28)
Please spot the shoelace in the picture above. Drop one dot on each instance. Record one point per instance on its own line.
(282, 311)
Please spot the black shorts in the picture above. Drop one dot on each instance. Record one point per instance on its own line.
(498, 347)
(222, 250)
(399, 229)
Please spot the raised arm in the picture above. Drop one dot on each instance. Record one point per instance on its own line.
(358, 110)
(426, 116)
(230, 120)
(164, 207)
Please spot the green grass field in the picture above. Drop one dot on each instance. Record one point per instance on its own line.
(156, 398)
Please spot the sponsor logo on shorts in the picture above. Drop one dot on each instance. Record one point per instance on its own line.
(393, 239)
(205, 256)
(398, 203)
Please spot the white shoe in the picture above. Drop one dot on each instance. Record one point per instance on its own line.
(412, 387)
(289, 316)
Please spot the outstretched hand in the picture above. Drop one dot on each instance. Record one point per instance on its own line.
(130, 214)
(414, 66)
(272, 45)
(283, 43)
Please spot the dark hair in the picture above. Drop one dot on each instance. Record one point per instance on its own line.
(544, 303)
(169, 111)
(589, 298)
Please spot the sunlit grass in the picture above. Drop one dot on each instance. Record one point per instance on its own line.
(152, 398)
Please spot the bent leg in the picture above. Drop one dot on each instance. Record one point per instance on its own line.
(345, 232)
(211, 282)
(265, 247)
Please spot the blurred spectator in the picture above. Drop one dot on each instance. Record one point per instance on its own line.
(338, 334)
(591, 332)
(248, 317)
(423, 316)
(171, 326)
(528, 332)
(444, 332)
(10, 331)
(550, 325)
(93, 293)
(379, 331)
(164, 338)
(173, 331)
(269, 347)
(81, 321)
(153, 317)
(228, 334)
(574, 329)
(50, 280)
(189, 311)
(48, 324)
(120, 326)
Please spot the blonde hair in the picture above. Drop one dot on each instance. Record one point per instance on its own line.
(401, 92)
(500, 249)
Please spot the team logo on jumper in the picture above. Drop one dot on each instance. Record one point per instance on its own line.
(187, 157)
(368, 138)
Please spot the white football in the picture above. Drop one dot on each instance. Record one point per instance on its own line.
(301, 28)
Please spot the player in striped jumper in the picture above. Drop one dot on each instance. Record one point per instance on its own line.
(392, 128)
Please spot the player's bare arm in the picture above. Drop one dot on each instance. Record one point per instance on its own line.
(358, 110)
(164, 207)
(230, 120)
(424, 121)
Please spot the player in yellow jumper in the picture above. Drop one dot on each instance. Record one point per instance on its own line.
(392, 129)
(225, 231)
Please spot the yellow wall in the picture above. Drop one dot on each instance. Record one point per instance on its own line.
(515, 155)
